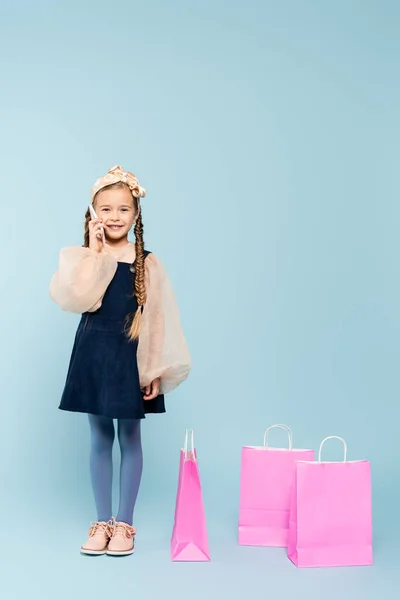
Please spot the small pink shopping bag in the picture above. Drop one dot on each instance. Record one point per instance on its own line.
(331, 513)
(189, 540)
(266, 481)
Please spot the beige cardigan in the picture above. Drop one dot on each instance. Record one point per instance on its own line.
(80, 283)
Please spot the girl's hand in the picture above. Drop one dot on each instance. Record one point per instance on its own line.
(152, 391)
(95, 229)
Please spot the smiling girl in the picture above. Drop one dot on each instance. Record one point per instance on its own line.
(129, 348)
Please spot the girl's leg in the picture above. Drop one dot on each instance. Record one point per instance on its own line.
(130, 441)
(101, 467)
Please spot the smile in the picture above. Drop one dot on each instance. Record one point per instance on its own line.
(115, 227)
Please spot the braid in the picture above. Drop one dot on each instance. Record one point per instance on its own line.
(86, 234)
(140, 286)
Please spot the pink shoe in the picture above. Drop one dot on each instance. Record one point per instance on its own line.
(99, 535)
(122, 540)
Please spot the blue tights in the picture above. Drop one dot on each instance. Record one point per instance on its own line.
(101, 465)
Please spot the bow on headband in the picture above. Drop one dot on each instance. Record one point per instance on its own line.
(115, 175)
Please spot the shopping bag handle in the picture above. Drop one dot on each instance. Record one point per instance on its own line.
(189, 439)
(333, 437)
(285, 428)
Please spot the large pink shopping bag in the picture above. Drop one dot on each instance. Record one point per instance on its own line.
(331, 513)
(266, 481)
(189, 536)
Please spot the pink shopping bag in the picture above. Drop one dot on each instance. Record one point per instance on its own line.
(189, 540)
(266, 481)
(331, 513)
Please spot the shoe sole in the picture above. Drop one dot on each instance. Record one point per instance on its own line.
(124, 553)
(93, 552)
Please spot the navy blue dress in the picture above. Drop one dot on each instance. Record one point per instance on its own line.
(103, 377)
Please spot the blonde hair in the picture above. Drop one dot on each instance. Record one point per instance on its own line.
(139, 288)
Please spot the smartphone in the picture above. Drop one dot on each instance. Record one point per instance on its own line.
(94, 216)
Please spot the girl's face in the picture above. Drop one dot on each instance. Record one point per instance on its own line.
(116, 208)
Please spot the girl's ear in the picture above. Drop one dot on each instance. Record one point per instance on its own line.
(137, 213)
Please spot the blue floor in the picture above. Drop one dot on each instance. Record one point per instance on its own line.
(41, 559)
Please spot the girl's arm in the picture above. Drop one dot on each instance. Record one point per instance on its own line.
(82, 278)
(162, 350)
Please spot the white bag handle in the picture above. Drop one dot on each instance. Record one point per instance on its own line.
(285, 428)
(333, 437)
(189, 439)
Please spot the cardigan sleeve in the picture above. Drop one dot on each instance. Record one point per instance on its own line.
(82, 278)
(162, 349)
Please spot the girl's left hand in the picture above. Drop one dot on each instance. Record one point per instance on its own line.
(152, 391)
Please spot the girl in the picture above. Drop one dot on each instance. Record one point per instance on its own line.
(129, 348)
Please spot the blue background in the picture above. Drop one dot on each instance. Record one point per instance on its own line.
(267, 135)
